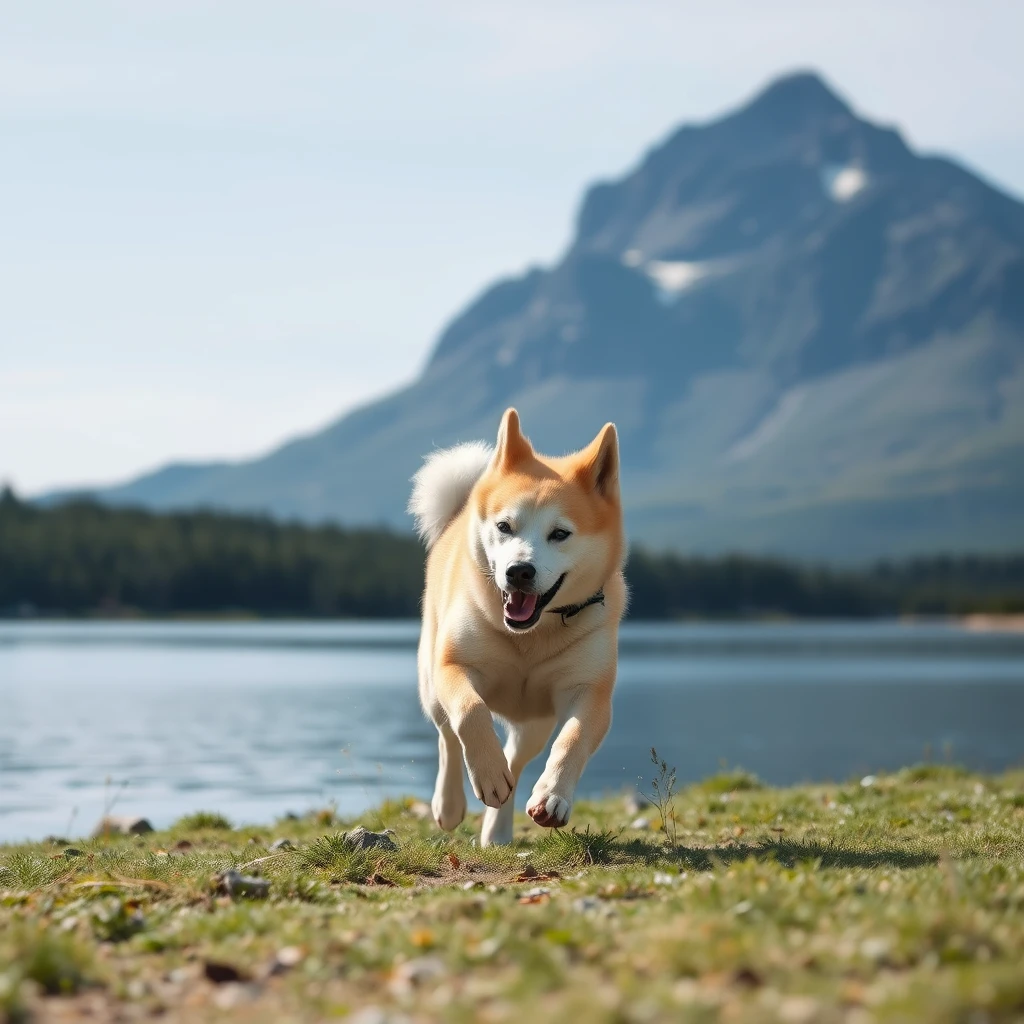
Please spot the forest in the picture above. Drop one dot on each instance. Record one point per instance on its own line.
(82, 559)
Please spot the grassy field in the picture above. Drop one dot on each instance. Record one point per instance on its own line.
(899, 897)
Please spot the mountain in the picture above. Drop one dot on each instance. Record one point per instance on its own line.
(810, 336)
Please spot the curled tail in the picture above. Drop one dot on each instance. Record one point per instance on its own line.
(442, 485)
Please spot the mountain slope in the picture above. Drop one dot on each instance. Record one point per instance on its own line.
(811, 338)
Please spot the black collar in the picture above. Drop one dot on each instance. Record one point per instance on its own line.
(569, 610)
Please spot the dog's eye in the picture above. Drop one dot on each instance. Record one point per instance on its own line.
(559, 534)
(504, 527)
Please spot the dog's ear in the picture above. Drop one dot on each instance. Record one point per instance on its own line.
(598, 464)
(512, 448)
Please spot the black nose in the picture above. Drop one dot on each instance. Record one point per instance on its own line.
(520, 574)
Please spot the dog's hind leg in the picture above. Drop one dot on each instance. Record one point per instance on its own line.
(449, 803)
(525, 741)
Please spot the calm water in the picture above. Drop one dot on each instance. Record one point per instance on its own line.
(258, 719)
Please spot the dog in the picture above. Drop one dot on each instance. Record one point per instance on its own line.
(521, 609)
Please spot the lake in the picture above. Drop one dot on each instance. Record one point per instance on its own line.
(258, 719)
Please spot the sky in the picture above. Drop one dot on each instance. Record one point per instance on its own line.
(223, 224)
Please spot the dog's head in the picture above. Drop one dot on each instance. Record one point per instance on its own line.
(549, 530)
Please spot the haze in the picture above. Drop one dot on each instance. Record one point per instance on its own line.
(225, 226)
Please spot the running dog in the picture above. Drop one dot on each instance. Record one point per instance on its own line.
(524, 594)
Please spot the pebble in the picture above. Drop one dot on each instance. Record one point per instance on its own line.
(536, 893)
(234, 884)
(236, 994)
(641, 823)
(376, 1015)
(281, 844)
(797, 1009)
(363, 839)
(414, 973)
(286, 958)
(876, 949)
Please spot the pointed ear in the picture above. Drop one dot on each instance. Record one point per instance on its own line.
(512, 448)
(598, 468)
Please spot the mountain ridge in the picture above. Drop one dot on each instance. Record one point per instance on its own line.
(811, 337)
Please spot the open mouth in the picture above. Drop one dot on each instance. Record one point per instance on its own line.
(522, 610)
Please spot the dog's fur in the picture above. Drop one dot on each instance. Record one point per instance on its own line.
(490, 646)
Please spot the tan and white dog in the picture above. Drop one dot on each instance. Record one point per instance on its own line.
(524, 593)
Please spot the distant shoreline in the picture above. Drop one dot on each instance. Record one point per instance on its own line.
(987, 623)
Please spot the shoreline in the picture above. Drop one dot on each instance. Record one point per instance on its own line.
(984, 622)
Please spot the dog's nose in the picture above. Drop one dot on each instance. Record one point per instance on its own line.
(520, 574)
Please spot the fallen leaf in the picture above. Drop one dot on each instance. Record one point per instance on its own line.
(454, 861)
(535, 896)
(534, 876)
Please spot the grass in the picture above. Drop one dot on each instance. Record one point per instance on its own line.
(901, 899)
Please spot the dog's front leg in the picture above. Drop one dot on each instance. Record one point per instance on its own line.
(587, 710)
(489, 773)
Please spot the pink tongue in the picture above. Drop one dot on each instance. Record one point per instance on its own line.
(519, 607)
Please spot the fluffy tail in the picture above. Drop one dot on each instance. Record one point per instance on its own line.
(442, 485)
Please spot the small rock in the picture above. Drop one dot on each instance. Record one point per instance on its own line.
(233, 884)
(537, 895)
(182, 975)
(376, 1015)
(72, 851)
(641, 823)
(290, 956)
(868, 780)
(797, 1009)
(414, 973)
(235, 994)
(876, 949)
(286, 958)
(127, 825)
(363, 839)
(221, 973)
(472, 884)
(137, 989)
(636, 802)
(281, 844)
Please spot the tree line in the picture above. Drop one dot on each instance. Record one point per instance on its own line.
(84, 559)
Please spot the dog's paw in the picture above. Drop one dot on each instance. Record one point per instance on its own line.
(497, 828)
(448, 811)
(549, 809)
(491, 778)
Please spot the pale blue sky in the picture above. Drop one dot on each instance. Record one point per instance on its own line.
(224, 223)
